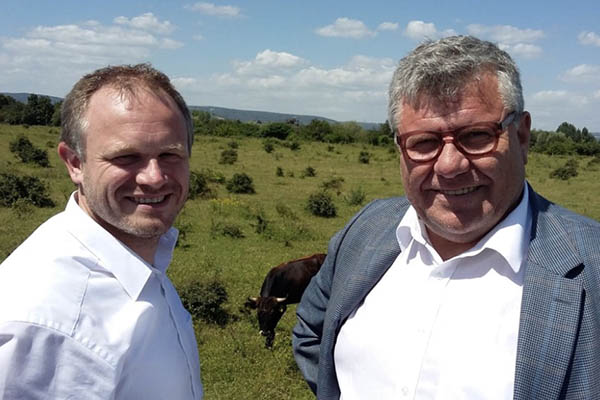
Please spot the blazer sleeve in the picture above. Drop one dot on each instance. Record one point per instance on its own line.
(307, 334)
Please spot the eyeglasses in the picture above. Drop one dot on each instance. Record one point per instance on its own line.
(478, 139)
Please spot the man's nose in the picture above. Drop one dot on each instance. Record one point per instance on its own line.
(152, 175)
(451, 162)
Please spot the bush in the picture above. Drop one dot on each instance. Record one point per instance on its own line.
(233, 231)
(15, 189)
(293, 145)
(269, 145)
(285, 212)
(199, 186)
(309, 172)
(321, 205)
(279, 171)
(334, 183)
(565, 172)
(364, 157)
(205, 300)
(28, 153)
(356, 197)
(233, 144)
(240, 183)
(228, 156)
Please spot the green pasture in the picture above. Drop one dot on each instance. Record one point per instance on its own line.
(235, 364)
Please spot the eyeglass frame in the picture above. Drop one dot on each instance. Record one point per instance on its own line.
(450, 136)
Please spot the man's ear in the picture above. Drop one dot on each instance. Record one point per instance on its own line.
(524, 134)
(72, 161)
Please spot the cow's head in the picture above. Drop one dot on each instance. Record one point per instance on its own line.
(269, 311)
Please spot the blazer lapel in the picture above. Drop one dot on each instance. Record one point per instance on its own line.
(550, 310)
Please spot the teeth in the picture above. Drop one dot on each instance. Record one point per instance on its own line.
(150, 200)
(459, 191)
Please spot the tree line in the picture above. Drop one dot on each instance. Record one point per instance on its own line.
(39, 110)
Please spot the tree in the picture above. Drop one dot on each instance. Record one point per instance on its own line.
(278, 130)
(316, 130)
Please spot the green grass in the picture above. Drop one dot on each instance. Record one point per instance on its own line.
(235, 364)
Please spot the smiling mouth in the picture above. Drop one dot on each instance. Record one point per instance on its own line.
(148, 200)
(459, 192)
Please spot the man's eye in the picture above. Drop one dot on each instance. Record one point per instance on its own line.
(124, 159)
(170, 157)
(423, 143)
(476, 138)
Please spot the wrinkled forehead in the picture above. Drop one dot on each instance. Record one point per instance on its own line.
(481, 89)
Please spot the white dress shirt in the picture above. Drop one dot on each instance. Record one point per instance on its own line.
(84, 317)
(434, 329)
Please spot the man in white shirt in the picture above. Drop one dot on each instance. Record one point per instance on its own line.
(86, 310)
(472, 286)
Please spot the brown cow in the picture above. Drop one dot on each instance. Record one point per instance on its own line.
(283, 285)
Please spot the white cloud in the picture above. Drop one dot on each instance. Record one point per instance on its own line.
(266, 62)
(596, 94)
(388, 26)
(212, 9)
(282, 82)
(420, 30)
(198, 37)
(62, 53)
(506, 34)
(589, 38)
(525, 50)
(516, 41)
(147, 22)
(549, 108)
(583, 73)
(346, 28)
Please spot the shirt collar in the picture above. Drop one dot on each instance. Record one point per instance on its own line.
(509, 238)
(129, 269)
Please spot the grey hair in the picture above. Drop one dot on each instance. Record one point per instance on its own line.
(126, 79)
(440, 69)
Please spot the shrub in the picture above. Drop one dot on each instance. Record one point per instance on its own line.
(293, 145)
(356, 197)
(199, 186)
(364, 157)
(334, 183)
(321, 205)
(330, 148)
(309, 172)
(28, 153)
(261, 222)
(233, 144)
(212, 176)
(594, 162)
(205, 300)
(240, 183)
(233, 231)
(228, 156)
(565, 172)
(15, 189)
(279, 171)
(269, 145)
(285, 212)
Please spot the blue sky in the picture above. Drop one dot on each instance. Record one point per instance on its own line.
(328, 58)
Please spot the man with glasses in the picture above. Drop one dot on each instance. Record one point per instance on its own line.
(472, 286)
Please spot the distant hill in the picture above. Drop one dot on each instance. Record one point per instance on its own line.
(231, 113)
(265, 116)
(22, 97)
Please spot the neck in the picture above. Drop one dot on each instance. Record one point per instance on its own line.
(446, 248)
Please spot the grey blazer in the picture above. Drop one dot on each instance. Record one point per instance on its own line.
(558, 351)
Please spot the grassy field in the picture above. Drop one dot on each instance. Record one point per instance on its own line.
(235, 364)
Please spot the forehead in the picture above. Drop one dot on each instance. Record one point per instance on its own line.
(478, 100)
(139, 112)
